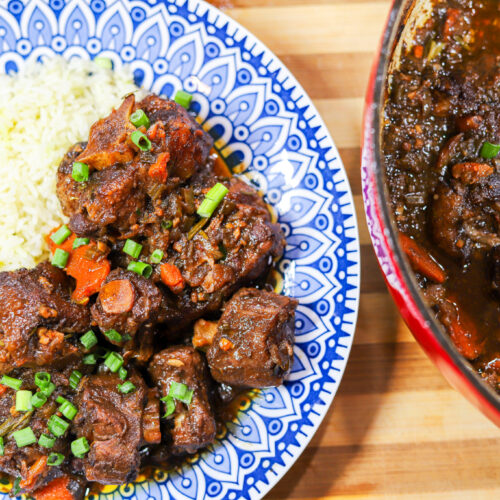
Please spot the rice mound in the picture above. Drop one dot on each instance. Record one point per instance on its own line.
(43, 111)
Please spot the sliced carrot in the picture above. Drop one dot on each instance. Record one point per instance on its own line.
(3, 388)
(420, 260)
(158, 171)
(66, 245)
(172, 277)
(117, 296)
(461, 328)
(34, 472)
(55, 490)
(452, 17)
(470, 173)
(418, 51)
(88, 273)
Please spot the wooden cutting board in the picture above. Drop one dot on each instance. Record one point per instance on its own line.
(396, 429)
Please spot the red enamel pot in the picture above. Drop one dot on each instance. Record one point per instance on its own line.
(398, 275)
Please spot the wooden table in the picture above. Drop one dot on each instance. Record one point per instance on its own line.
(396, 429)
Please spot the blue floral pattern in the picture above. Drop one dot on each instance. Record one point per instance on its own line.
(266, 129)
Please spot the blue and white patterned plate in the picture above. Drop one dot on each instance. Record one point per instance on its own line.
(268, 130)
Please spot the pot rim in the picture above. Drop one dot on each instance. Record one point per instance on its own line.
(373, 111)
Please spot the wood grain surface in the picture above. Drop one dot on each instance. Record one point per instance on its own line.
(396, 429)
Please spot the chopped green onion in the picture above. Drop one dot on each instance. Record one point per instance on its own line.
(2, 447)
(104, 62)
(13, 383)
(42, 379)
(140, 140)
(38, 399)
(24, 437)
(74, 379)
(126, 387)
(122, 373)
(80, 242)
(80, 172)
(46, 441)
(166, 224)
(48, 390)
(212, 200)
(88, 340)
(114, 361)
(68, 409)
(169, 406)
(23, 401)
(60, 400)
(113, 335)
(60, 258)
(156, 256)
(55, 459)
(79, 447)
(15, 487)
(57, 425)
(490, 150)
(89, 359)
(61, 235)
(181, 392)
(140, 268)
(139, 118)
(183, 98)
(132, 248)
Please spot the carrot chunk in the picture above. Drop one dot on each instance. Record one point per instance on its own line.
(158, 171)
(117, 296)
(34, 472)
(421, 261)
(89, 273)
(55, 490)
(172, 277)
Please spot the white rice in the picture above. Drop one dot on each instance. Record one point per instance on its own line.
(43, 111)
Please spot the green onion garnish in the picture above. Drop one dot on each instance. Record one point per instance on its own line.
(55, 459)
(60, 400)
(156, 256)
(13, 383)
(79, 242)
(23, 401)
(60, 258)
(57, 425)
(79, 447)
(140, 268)
(140, 140)
(169, 406)
(61, 235)
(2, 447)
(80, 172)
(114, 361)
(15, 487)
(48, 390)
(122, 373)
(42, 379)
(89, 359)
(181, 392)
(126, 387)
(139, 119)
(490, 150)
(212, 200)
(38, 399)
(24, 437)
(166, 224)
(74, 379)
(113, 336)
(183, 98)
(88, 340)
(104, 62)
(68, 409)
(132, 248)
(46, 441)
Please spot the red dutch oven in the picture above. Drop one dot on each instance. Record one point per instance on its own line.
(397, 272)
